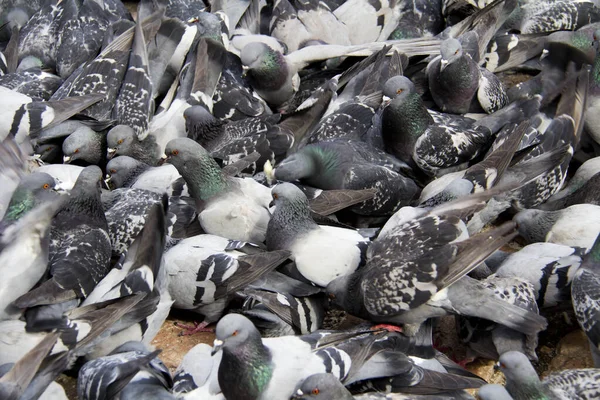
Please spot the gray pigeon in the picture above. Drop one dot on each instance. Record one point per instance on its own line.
(79, 248)
(234, 208)
(197, 373)
(548, 267)
(576, 226)
(33, 190)
(341, 164)
(24, 254)
(204, 274)
(456, 81)
(123, 141)
(522, 381)
(85, 146)
(585, 293)
(292, 228)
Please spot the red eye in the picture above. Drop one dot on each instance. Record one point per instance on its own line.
(315, 391)
(175, 152)
(234, 333)
(76, 151)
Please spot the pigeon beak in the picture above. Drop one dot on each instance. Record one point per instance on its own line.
(217, 344)
(443, 64)
(107, 180)
(245, 70)
(497, 366)
(298, 395)
(111, 152)
(272, 203)
(66, 159)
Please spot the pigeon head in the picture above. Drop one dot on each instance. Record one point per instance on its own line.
(398, 87)
(288, 194)
(89, 177)
(49, 152)
(321, 386)
(266, 67)
(120, 139)
(200, 171)
(493, 392)
(34, 189)
(517, 368)
(451, 50)
(234, 330)
(344, 292)
(121, 170)
(297, 166)
(197, 115)
(83, 145)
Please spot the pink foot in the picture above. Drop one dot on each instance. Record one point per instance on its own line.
(389, 328)
(195, 328)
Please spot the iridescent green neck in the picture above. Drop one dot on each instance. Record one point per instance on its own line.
(325, 164)
(21, 202)
(596, 70)
(253, 369)
(204, 177)
(272, 72)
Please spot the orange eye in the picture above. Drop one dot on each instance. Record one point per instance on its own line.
(399, 91)
(113, 171)
(456, 52)
(76, 151)
(46, 186)
(119, 141)
(315, 391)
(175, 152)
(234, 333)
(275, 196)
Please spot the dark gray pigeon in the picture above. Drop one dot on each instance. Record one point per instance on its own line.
(342, 164)
(80, 245)
(123, 141)
(456, 81)
(35, 83)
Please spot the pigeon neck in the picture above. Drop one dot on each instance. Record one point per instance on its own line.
(204, 178)
(322, 161)
(414, 114)
(530, 389)
(595, 84)
(134, 173)
(205, 132)
(84, 206)
(21, 202)
(592, 261)
(272, 73)
(252, 367)
(290, 219)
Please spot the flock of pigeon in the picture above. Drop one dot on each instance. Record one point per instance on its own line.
(263, 164)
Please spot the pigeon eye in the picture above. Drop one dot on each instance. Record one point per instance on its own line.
(234, 333)
(113, 171)
(315, 391)
(456, 52)
(46, 186)
(119, 141)
(331, 296)
(76, 151)
(275, 196)
(399, 91)
(175, 152)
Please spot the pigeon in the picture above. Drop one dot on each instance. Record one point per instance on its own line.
(420, 141)
(65, 175)
(455, 80)
(105, 377)
(234, 208)
(124, 171)
(574, 226)
(549, 267)
(85, 146)
(340, 164)
(203, 275)
(35, 83)
(123, 141)
(580, 189)
(292, 228)
(79, 246)
(271, 368)
(22, 116)
(478, 334)
(24, 249)
(584, 293)
(391, 287)
(493, 392)
(33, 190)
(522, 381)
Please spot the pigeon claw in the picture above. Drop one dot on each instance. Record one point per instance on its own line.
(189, 330)
(387, 327)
